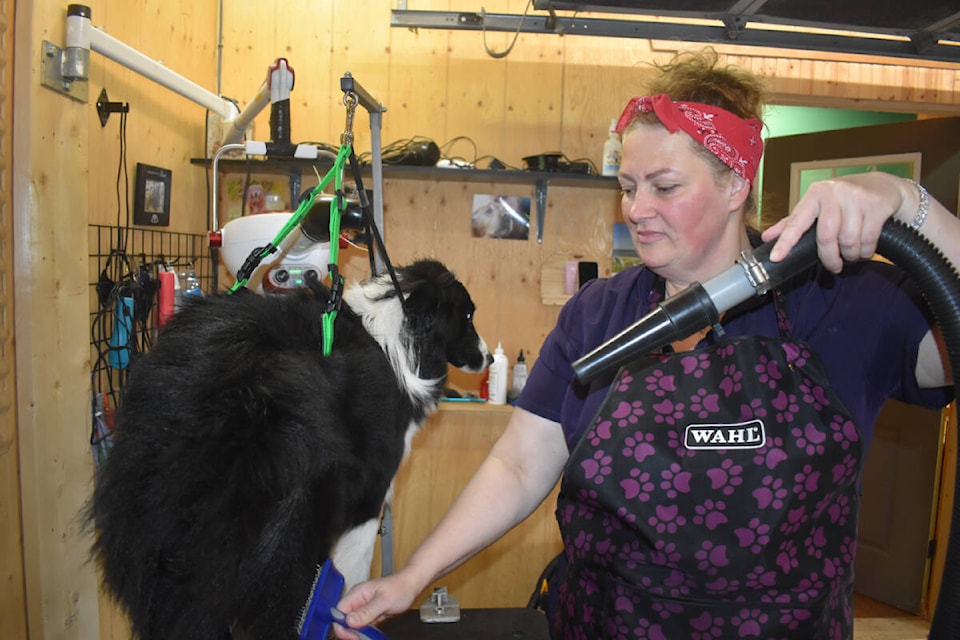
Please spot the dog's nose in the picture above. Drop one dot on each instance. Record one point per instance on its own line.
(489, 360)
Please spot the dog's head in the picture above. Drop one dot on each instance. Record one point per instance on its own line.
(438, 309)
(433, 326)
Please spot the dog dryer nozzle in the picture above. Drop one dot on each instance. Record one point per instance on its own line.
(316, 223)
(698, 306)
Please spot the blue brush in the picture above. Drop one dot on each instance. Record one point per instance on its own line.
(321, 611)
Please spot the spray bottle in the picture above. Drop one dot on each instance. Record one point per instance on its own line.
(612, 149)
(519, 376)
(498, 377)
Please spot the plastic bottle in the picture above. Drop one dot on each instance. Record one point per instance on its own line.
(190, 285)
(177, 290)
(519, 375)
(498, 377)
(612, 149)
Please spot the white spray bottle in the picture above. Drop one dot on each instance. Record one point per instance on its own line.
(497, 382)
(612, 150)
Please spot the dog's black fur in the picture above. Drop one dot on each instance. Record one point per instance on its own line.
(242, 453)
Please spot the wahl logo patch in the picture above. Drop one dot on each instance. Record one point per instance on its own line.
(741, 435)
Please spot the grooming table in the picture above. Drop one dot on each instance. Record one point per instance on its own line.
(474, 624)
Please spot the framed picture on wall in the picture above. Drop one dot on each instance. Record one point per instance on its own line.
(151, 204)
(803, 174)
(500, 216)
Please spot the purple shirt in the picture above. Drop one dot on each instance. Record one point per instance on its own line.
(865, 324)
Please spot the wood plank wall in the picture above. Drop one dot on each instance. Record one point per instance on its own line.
(549, 94)
(12, 586)
(445, 455)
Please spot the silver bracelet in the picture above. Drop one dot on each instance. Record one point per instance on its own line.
(924, 207)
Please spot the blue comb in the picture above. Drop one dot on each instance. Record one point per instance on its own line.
(322, 610)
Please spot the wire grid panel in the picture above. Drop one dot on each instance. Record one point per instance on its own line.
(124, 271)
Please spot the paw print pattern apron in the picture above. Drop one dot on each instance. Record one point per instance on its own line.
(714, 496)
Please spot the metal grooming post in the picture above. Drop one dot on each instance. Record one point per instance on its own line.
(350, 86)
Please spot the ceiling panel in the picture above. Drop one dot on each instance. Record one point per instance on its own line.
(927, 28)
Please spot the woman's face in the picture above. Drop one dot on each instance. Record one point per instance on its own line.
(685, 223)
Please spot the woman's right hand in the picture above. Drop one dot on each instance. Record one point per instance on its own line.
(518, 473)
(372, 602)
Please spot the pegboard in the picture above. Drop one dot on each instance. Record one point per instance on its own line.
(124, 265)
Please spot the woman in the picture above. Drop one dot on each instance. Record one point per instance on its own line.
(709, 489)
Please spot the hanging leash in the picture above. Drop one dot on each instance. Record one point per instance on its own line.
(337, 207)
(371, 229)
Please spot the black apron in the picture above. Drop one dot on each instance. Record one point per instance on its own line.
(714, 496)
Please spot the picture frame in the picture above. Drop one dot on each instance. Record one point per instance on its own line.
(500, 216)
(151, 205)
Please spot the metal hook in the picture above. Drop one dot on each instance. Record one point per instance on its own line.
(350, 101)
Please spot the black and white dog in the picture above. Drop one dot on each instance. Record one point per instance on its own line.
(244, 457)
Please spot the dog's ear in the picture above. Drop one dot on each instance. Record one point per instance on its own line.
(427, 285)
(422, 307)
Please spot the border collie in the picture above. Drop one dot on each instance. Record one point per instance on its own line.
(244, 458)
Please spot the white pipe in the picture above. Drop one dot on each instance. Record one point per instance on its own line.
(238, 126)
(110, 47)
(78, 31)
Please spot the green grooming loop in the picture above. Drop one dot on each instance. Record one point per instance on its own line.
(336, 207)
(336, 171)
(354, 96)
(336, 280)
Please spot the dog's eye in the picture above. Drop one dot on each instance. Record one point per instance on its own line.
(470, 317)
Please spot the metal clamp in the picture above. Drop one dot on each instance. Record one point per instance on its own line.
(441, 607)
(756, 274)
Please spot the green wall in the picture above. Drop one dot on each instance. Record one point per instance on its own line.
(788, 121)
(781, 121)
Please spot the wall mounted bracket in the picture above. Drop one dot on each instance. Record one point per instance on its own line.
(56, 73)
(105, 107)
(541, 205)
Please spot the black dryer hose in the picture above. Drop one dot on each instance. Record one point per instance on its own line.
(940, 284)
(700, 305)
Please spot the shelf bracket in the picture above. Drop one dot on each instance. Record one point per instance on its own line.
(541, 199)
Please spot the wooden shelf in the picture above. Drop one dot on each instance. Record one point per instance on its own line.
(404, 172)
(293, 168)
(475, 406)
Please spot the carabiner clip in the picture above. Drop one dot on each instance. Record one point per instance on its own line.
(350, 102)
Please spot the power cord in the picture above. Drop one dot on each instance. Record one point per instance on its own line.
(483, 28)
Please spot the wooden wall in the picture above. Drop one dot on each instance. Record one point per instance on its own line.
(549, 94)
(446, 453)
(65, 175)
(13, 601)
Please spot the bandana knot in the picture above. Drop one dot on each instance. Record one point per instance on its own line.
(733, 140)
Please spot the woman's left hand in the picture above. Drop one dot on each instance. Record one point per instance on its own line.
(849, 212)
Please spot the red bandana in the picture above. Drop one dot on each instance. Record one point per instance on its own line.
(735, 141)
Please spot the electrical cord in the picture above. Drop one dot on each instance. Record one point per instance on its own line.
(399, 150)
(483, 28)
(123, 229)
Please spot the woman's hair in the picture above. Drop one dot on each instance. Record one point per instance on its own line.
(699, 77)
